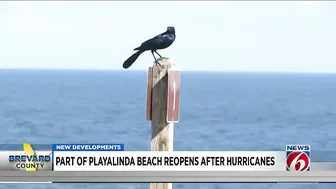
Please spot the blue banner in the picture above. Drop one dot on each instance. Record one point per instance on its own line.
(88, 147)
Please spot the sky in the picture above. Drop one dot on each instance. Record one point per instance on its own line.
(280, 36)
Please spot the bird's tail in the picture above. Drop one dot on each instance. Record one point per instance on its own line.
(132, 59)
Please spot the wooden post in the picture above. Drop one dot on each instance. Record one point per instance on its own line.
(162, 132)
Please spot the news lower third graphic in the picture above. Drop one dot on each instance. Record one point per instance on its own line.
(88, 163)
(298, 157)
(113, 157)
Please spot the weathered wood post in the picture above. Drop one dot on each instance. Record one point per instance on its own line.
(163, 107)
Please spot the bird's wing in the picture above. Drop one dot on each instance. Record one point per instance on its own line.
(157, 39)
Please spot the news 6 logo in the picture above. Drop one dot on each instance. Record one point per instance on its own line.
(298, 157)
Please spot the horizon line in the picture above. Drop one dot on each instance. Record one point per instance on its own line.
(187, 70)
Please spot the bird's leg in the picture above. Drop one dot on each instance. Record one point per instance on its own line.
(158, 54)
(155, 59)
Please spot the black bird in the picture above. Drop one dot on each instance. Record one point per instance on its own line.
(161, 41)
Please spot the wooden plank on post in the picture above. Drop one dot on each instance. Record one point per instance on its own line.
(149, 94)
(173, 101)
(162, 132)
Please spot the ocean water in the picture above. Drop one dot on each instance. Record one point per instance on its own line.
(219, 111)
